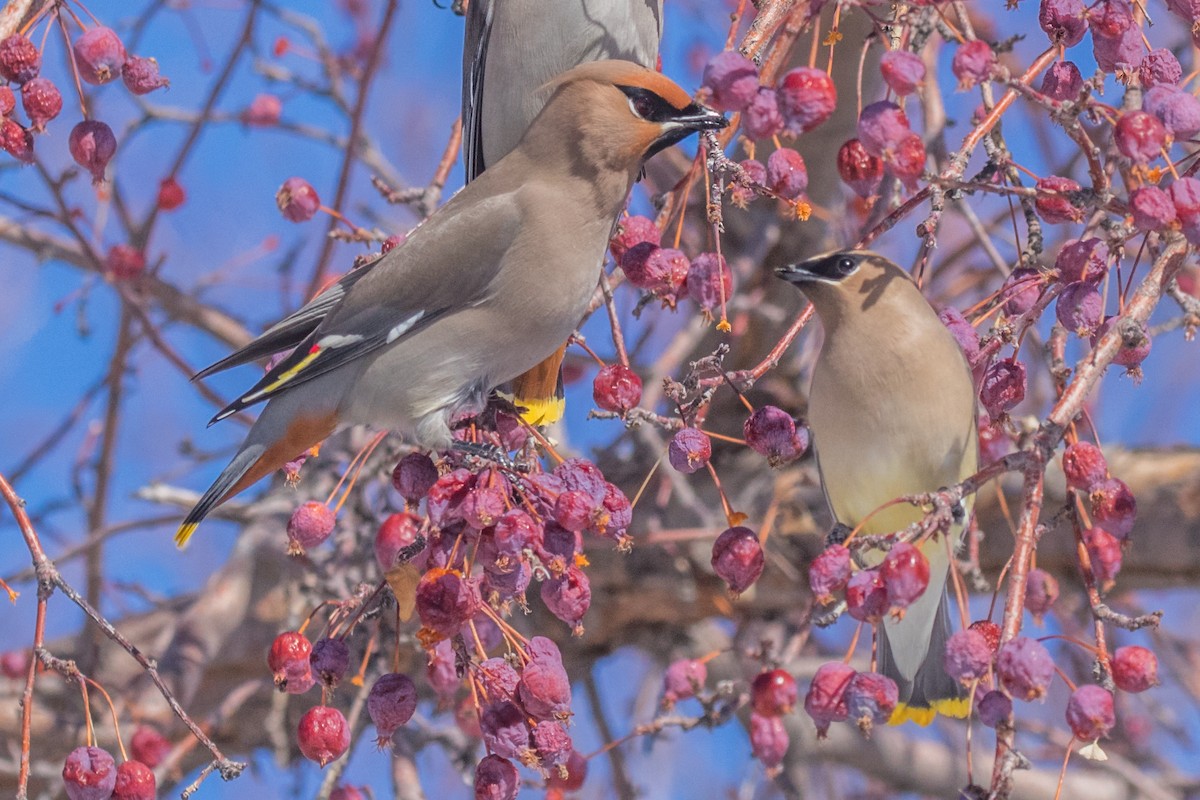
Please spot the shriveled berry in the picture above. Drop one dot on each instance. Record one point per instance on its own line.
(615, 516)
(297, 200)
(762, 119)
(323, 734)
(92, 145)
(1064, 21)
(973, 63)
(860, 170)
(902, 71)
(396, 533)
(1177, 109)
(1140, 136)
(391, 703)
(124, 262)
(1122, 52)
(515, 531)
(907, 161)
(99, 55)
(709, 281)
(551, 743)
(1025, 668)
(690, 450)
(1021, 291)
(264, 111)
(1111, 18)
(829, 572)
(968, 656)
(414, 476)
(89, 774)
(1104, 551)
(576, 774)
(632, 231)
(1084, 465)
(768, 739)
(807, 97)
(1160, 66)
(499, 679)
(149, 746)
(483, 505)
(658, 269)
(141, 75)
(787, 175)
(994, 708)
(1053, 202)
(994, 441)
(1185, 195)
(1080, 308)
(446, 496)
(771, 432)
(737, 558)
(1062, 81)
(881, 128)
(866, 596)
(288, 660)
(773, 693)
(732, 79)
(42, 101)
(440, 670)
(573, 510)
(310, 525)
(1152, 209)
(1113, 507)
(1134, 668)
(8, 101)
(330, 659)
(617, 388)
(682, 680)
(170, 194)
(741, 194)
(825, 701)
(505, 731)
(496, 778)
(870, 699)
(568, 596)
(1090, 712)
(962, 330)
(1129, 355)
(1041, 590)
(20, 60)
(445, 600)
(1003, 386)
(581, 474)
(1082, 260)
(545, 690)
(905, 576)
(391, 243)
(135, 781)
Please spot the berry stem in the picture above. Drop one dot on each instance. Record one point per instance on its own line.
(112, 710)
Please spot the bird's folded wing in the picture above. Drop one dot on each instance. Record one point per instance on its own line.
(475, 45)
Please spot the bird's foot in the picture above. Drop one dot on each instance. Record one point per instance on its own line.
(838, 534)
(490, 452)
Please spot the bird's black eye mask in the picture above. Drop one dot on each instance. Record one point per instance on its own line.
(648, 105)
(832, 268)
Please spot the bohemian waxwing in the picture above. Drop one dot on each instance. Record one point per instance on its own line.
(484, 289)
(892, 411)
(510, 50)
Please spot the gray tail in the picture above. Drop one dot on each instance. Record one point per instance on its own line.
(931, 690)
(229, 476)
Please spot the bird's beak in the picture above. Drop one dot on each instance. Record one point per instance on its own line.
(797, 273)
(699, 118)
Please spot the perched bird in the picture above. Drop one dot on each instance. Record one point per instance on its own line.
(488, 286)
(892, 411)
(510, 49)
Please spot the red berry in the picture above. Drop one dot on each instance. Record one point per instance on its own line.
(264, 110)
(968, 656)
(771, 432)
(576, 774)
(347, 793)
(1082, 260)
(902, 71)
(1104, 551)
(414, 476)
(963, 331)
(994, 708)
(581, 474)
(973, 63)
(658, 269)
(990, 632)
(42, 102)
(170, 194)
(1084, 465)
(1090, 712)
(8, 101)
(568, 596)
(1134, 669)
(92, 145)
(690, 450)
(682, 680)
(141, 75)
(786, 174)
(573, 510)
(1122, 52)
(1080, 308)
(288, 660)
(1140, 136)
(737, 558)
(135, 781)
(298, 200)
(391, 243)
(632, 231)
(1176, 109)
(866, 597)
(149, 746)
(446, 600)
(1113, 507)
(881, 128)
(99, 55)
(1057, 208)
(908, 160)
(732, 79)
(994, 441)
(709, 281)
(1003, 386)
(829, 573)
(617, 388)
(1025, 668)
(1185, 195)
(1062, 81)
(1159, 66)
(860, 170)
(397, 532)
(768, 739)
(773, 693)
(1152, 209)
(1064, 21)
(1111, 18)
(515, 531)
(825, 701)
(761, 119)
(483, 505)
(905, 576)
(89, 774)
(870, 699)
(1041, 590)
(807, 97)
(391, 703)
(545, 690)
(499, 679)
(309, 525)
(20, 59)
(496, 779)
(124, 262)
(330, 659)
(323, 734)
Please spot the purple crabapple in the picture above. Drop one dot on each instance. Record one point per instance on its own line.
(1104, 551)
(631, 231)
(148, 746)
(1064, 21)
(297, 200)
(968, 656)
(973, 63)
(1025, 668)
(92, 145)
(807, 97)
(89, 773)
(330, 659)
(787, 175)
(690, 450)
(1090, 712)
(391, 703)
(1113, 507)
(990, 632)
(1140, 137)
(42, 102)
(397, 532)
(99, 55)
(905, 576)
(902, 71)
(1062, 81)
(881, 128)
(264, 111)
(1159, 66)
(1003, 386)
(829, 573)
(170, 194)
(1084, 465)
(141, 75)
(1057, 208)
(288, 660)
(768, 739)
(761, 119)
(866, 596)
(858, 169)
(682, 679)
(773, 693)
(709, 281)
(124, 262)
(310, 525)
(732, 80)
(825, 700)
(994, 708)
(870, 699)
(1152, 209)
(737, 558)
(1041, 590)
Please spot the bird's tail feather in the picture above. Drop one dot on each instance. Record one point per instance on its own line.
(224, 484)
(931, 691)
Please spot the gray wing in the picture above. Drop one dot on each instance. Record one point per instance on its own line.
(475, 42)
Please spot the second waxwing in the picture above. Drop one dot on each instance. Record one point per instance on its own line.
(893, 413)
(487, 287)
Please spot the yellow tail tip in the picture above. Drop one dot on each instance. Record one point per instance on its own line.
(541, 411)
(957, 707)
(184, 533)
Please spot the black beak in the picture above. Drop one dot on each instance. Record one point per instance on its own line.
(700, 118)
(798, 273)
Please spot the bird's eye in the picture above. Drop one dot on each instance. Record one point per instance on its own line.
(643, 106)
(845, 265)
